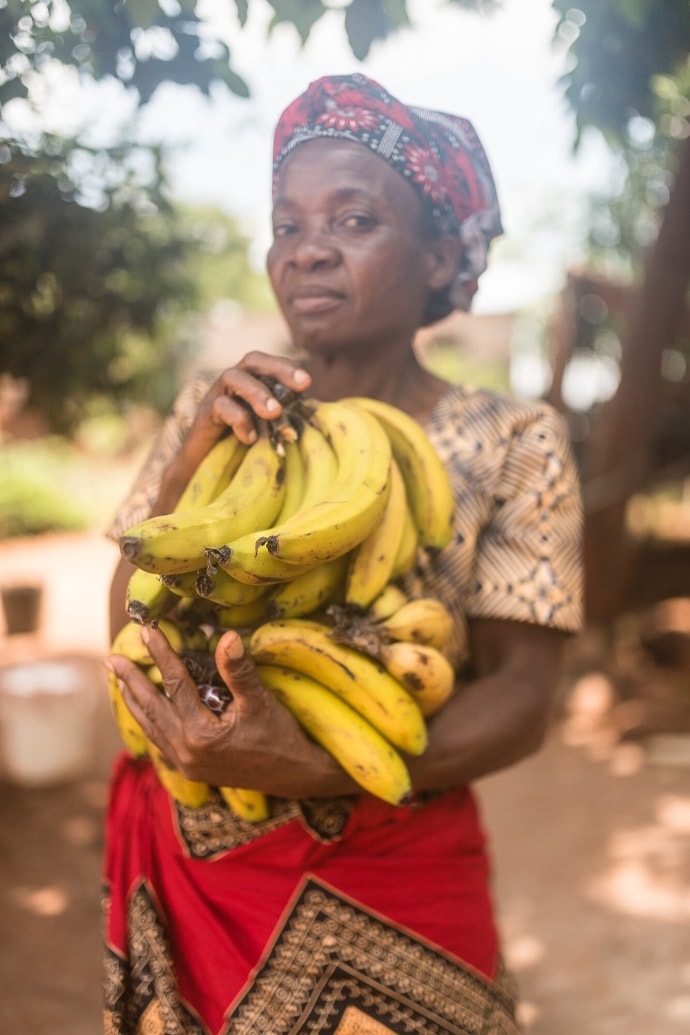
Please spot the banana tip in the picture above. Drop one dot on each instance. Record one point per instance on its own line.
(137, 611)
(130, 547)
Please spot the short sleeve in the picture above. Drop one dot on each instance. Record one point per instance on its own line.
(528, 564)
(516, 548)
(144, 492)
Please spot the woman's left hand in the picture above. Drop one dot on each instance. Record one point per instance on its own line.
(255, 743)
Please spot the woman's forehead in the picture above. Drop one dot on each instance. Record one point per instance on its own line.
(340, 165)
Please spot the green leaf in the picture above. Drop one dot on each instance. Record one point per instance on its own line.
(242, 10)
(370, 20)
(143, 13)
(303, 14)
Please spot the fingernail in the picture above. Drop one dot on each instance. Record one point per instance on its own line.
(300, 377)
(251, 436)
(272, 405)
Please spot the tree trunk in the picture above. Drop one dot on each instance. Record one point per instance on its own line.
(619, 453)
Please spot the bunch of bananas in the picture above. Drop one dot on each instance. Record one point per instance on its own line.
(298, 541)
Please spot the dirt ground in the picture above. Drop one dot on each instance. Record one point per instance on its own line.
(591, 843)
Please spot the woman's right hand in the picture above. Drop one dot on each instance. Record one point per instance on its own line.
(235, 400)
(255, 743)
(238, 397)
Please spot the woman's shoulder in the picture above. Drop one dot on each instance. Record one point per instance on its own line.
(491, 413)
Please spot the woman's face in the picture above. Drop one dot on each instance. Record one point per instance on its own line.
(349, 263)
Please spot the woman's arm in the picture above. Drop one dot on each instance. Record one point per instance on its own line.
(502, 714)
(492, 722)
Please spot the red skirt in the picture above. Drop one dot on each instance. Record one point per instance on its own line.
(337, 915)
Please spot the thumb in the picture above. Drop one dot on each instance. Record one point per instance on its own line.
(237, 668)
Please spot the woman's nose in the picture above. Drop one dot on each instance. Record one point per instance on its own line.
(314, 248)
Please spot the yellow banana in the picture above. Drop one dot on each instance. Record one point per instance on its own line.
(354, 743)
(131, 732)
(175, 543)
(406, 557)
(128, 641)
(153, 673)
(361, 681)
(220, 588)
(147, 598)
(250, 565)
(423, 670)
(250, 805)
(390, 599)
(255, 567)
(311, 591)
(355, 501)
(190, 793)
(294, 481)
(195, 611)
(372, 562)
(213, 474)
(242, 616)
(180, 585)
(194, 637)
(319, 463)
(424, 620)
(426, 479)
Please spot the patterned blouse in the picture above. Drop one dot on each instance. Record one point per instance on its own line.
(516, 553)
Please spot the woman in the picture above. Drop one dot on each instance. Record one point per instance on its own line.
(341, 913)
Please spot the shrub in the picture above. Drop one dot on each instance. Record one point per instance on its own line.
(43, 488)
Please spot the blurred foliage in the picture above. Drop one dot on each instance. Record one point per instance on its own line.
(143, 43)
(99, 273)
(41, 489)
(458, 366)
(146, 42)
(96, 298)
(629, 77)
(617, 48)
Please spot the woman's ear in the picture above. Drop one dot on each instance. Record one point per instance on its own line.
(443, 261)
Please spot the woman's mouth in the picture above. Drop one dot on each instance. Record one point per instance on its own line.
(314, 300)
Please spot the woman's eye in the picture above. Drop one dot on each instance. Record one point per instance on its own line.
(358, 221)
(283, 229)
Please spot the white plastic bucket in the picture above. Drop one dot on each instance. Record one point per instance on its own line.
(47, 716)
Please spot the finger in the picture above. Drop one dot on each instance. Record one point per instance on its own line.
(284, 370)
(144, 700)
(237, 669)
(178, 686)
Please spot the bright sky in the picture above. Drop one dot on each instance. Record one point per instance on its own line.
(501, 71)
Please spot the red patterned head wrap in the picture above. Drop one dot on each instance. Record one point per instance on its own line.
(440, 155)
